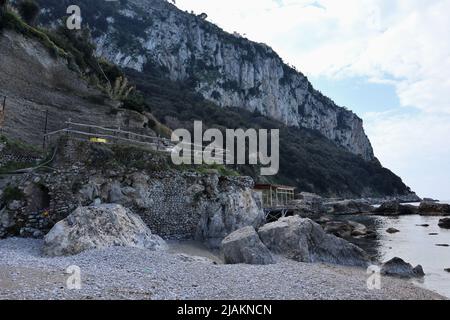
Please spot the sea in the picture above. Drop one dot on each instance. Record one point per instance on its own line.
(420, 241)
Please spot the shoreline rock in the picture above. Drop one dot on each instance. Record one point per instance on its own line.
(245, 246)
(345, 229)
(348, 207)
(392, 230)
(305, 241)
(444, 223)
(394, 208)
(99, 227)
(397, 267)
(434, 209)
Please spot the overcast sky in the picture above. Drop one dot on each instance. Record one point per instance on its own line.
(387, 60)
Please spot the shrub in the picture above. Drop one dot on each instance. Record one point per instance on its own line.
(120, 91)
(29, 10)
(111, 70)
(10, 20)
(135, 102)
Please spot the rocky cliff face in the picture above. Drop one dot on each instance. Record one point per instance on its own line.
(225, 68)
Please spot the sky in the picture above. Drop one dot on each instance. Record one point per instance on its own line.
(387, 60)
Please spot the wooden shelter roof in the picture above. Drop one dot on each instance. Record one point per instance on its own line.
(274, 186)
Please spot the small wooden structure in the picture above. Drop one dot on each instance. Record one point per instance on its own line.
(276, 196)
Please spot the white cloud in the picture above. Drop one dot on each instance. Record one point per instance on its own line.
(415, 146)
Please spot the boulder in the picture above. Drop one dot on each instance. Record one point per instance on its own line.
(434, 209)
(310, 196)
(394, 208)
(188, 258)
(245, 246)
(399, 268)
(99, 227)
(343, 229)
(308, 204)
(392, 230)
(444, 223)
(305, 241)
(338, 228)
(349, 207)
(358, 229)
(323, 220)
(228, 210)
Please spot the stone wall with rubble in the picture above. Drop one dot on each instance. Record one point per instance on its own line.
(175, 204)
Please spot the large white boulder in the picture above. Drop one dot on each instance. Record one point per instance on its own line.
(305, 241)
(244, 246)
(99, 227)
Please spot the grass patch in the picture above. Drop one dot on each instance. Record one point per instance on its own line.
(220, 168)
(11, 20)
(18, 146)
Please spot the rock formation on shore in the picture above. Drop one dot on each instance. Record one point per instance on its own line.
(396, 267)
(428, 208)
(304, 240)
(99, 227)
(444, 223)
(245, 246)
(394, 208)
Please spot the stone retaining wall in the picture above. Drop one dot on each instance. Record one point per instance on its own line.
(174, 204)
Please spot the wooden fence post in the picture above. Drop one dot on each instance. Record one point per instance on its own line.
(45, 130)
(3, 114)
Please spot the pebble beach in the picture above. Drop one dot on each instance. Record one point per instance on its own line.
(130, 273)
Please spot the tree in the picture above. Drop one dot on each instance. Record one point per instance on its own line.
(3, 6)
(29, 10)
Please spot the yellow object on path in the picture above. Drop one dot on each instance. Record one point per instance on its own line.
(98, 140)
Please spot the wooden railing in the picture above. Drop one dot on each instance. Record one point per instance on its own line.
(109, 136)
(112, 136)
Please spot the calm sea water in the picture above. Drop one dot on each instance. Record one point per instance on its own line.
(415, 244)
